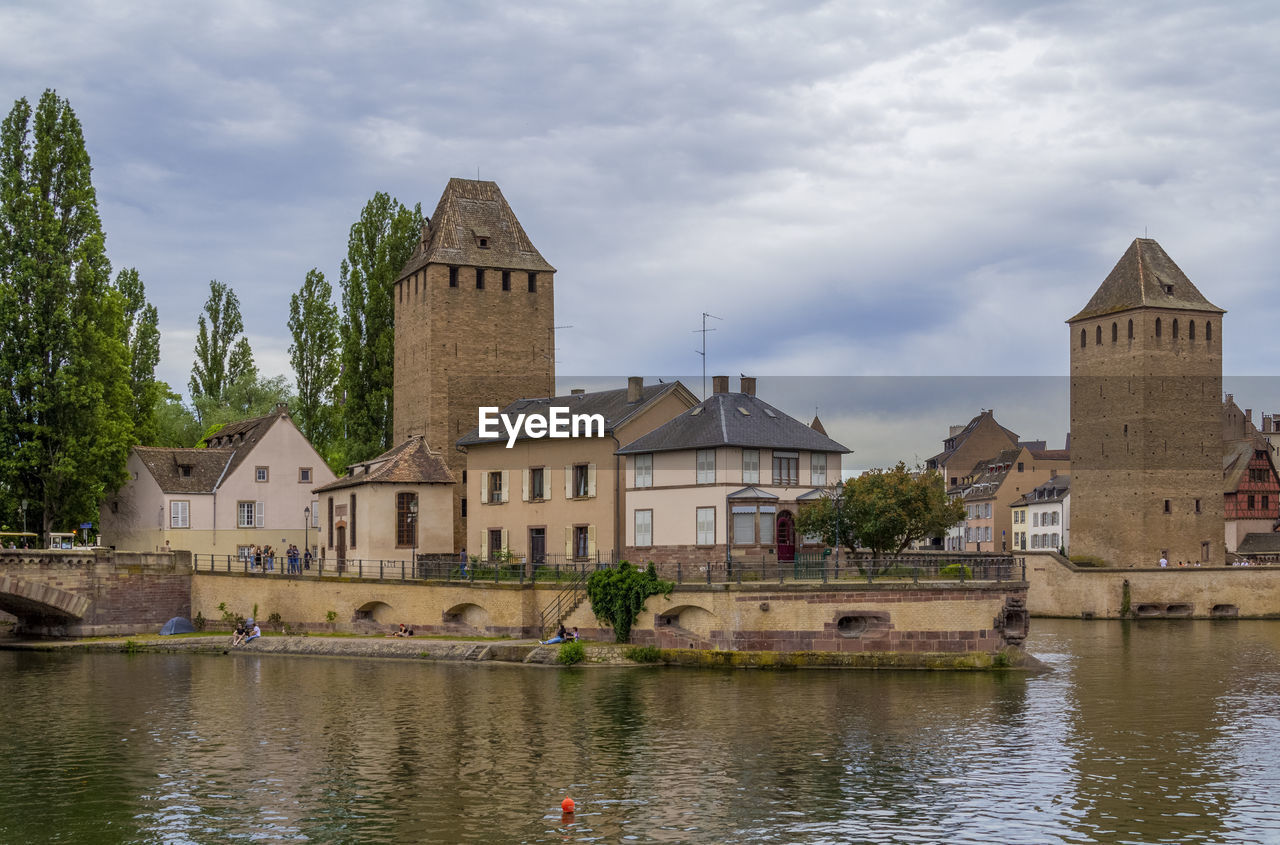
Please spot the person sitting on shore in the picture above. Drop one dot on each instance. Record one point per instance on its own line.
(238, 637)
(573, 638)
(253, 632)
(561, 636)
(402, 631)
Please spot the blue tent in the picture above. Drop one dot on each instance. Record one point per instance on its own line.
(177, 625)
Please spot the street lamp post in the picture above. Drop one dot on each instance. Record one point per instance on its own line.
(413, 529)
(838, 494)
(306, 532)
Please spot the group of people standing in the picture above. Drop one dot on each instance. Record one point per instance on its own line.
(264, 558)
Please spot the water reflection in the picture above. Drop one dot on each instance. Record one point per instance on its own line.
(1152, 731)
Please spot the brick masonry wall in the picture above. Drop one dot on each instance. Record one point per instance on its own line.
(459, 348)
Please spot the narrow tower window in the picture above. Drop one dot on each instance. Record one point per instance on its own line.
(1208, 331)
(1084, 339)
(506, 280)
(1115, 332)
(533, 283)
(1191, 330)
(1097, 337)
(1131, 330)
(1175, 328)
(453, 277)
(479, 278)
(1157, 326)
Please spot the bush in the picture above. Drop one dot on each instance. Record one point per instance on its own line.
(571, 653)
(1087, 560)
(644, 654)
(330, 615)
(618, 595)
(199, 622)
(274, 621)
(955, 570)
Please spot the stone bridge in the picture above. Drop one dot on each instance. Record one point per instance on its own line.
(88, 592)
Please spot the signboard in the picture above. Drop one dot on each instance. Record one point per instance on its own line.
(86, 525)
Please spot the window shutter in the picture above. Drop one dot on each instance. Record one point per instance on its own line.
(591, 539)
(568, 542)
(484, 487)
(568, 482)
(484, 545)
(506, 485)
(259, 514)
(524, 490)
(506, 540)
(591, 482)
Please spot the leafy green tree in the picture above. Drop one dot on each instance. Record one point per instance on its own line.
(313, 322)
(378, 247)
(884, 511)
(248, 396)
(175, 424)
(65, 404)
(618, 595)
(142, 337)
(222, 352)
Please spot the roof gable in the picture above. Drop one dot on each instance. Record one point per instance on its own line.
(1145, 277)
(473, 225)
(411, 462)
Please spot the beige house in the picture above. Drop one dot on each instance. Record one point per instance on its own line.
(726, 477)
(992, 486)
(388, 507)
(250, 486)
(560, 499)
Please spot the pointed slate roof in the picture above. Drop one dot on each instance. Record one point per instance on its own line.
(468, 212)
(205, 467)
(733, 419)
(1145, 276)
(817, 425)
(411, 462)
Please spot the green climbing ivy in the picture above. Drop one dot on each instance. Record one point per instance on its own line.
(618, 595)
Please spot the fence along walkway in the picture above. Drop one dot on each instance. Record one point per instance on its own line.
(571, 575)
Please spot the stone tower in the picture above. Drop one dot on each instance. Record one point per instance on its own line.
(1146, 417)
(474, 323)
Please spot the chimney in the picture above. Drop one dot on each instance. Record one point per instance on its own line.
(1248, 415)
(577, 391)
(719, 384)
(955, 429)
(635, 389)
(749, 385)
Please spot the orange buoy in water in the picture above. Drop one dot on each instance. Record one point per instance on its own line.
(567, 805)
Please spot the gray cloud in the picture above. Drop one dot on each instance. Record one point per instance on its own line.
(858, 189)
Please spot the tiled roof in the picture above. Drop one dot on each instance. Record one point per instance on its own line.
(468, 212)
(1145, 276)
(1235, 461)
(1259, 543)
(610, 404)
(207, 466)
(412, 462)
(733, 419)
(985, 481)
(240, 437)
(961, 436)
(751, 493)
(1050, 454)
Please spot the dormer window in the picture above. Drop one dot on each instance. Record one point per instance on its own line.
(1168, 289)
(483, 243)
(185, 470)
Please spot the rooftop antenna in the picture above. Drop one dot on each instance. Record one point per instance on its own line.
(551, 358)
(703, 331)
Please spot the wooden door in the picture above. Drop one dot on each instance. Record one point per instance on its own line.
(341, 549)
(786, 537)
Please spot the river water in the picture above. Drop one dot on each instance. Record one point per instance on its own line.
(1152, 731)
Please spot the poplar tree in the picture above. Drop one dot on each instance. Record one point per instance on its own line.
(222, 352)
(313, 322)
(65, 403)
(142, 337)
(378, 247)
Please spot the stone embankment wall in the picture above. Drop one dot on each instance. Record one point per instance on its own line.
(845, 617)
(92, 592)
(1057, 587)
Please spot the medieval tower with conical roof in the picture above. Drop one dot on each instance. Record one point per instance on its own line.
(474, 323)
(1146, 417)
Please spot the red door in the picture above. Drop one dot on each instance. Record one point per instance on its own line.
(786, 537)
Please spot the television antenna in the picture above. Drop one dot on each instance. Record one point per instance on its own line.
(703, 331)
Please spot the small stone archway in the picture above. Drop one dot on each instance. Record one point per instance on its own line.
(377, 612)
(466, 618)
(684, 626)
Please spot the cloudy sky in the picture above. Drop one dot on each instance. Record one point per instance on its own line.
(857, 189)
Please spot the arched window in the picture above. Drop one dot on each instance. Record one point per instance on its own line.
(1115, 332)
(1175, 328)
(1191, 330)
(1157, 326)
(1208, 331)
(1084, 339)
(1131, 330)
(1097, 337)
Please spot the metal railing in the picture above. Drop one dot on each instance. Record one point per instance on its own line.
(572, 574)
(565, 602)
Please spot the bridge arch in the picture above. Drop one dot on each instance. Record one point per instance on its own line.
(691, 617)
(374, 611)
(35, 603)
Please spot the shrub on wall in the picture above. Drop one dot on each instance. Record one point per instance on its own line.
(618, 595)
